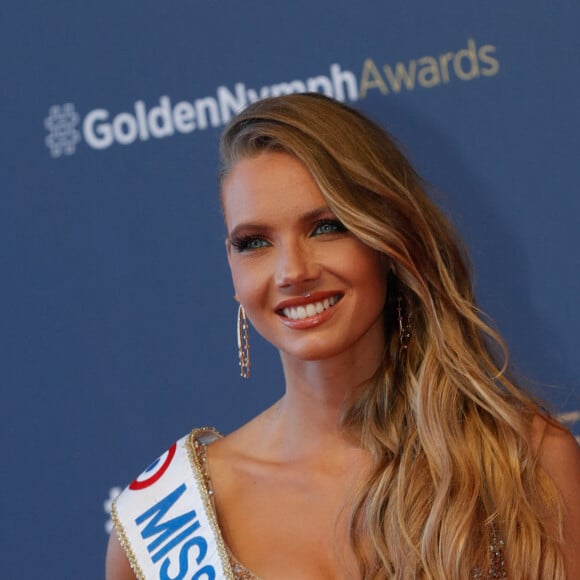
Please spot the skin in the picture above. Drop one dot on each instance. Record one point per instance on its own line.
(294, 464)
(284, 481)
(559, 454)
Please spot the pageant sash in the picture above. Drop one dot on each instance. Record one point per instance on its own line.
(165, 520)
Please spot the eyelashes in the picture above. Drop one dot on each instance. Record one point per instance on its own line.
(323, 227)
(244, 243)
(329, 226)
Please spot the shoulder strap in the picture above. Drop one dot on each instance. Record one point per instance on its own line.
(165, 520)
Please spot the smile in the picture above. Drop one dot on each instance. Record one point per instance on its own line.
(309, 310)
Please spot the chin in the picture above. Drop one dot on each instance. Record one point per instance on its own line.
(313, 353)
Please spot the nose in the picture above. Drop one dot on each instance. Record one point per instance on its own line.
(295, 266)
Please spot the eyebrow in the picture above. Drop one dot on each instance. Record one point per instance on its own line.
(307, 217)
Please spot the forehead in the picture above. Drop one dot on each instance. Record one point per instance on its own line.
(266, 186)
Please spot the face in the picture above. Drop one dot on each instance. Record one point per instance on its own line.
(309, 286)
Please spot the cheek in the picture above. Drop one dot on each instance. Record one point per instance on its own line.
(372, 273)
(368, 265)
(237, 277)
(251, 288)
(248, 279)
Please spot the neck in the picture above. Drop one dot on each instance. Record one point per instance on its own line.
(307, 420)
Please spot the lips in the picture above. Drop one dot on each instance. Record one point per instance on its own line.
(310, 309)
(303, 313)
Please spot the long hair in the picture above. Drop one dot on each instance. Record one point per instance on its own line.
(448, 428)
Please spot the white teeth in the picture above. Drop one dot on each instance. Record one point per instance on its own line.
(300, 312)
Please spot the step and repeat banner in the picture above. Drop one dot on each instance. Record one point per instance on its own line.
(117, 318)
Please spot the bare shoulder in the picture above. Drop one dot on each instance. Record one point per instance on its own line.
(228, 455)
(117, 565)
(242, 442)
(559, 454)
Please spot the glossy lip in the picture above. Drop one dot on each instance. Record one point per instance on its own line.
(309, 321)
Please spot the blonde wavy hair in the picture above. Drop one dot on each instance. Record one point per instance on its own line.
(447, 426)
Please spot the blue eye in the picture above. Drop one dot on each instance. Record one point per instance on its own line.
(328, 226)
(249, 243)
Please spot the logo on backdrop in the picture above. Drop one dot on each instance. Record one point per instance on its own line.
(101, 128)
(572, 421)
(107, 506)
(61, 125)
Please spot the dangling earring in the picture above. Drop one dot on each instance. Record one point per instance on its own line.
(405, 328)
(243, 343)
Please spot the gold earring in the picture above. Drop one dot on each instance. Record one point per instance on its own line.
(243, 343)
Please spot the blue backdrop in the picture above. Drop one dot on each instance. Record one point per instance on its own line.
(117, 317)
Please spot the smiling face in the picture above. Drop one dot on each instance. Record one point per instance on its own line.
(309, 286)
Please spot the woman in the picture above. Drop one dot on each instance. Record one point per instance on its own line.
(401, 448)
